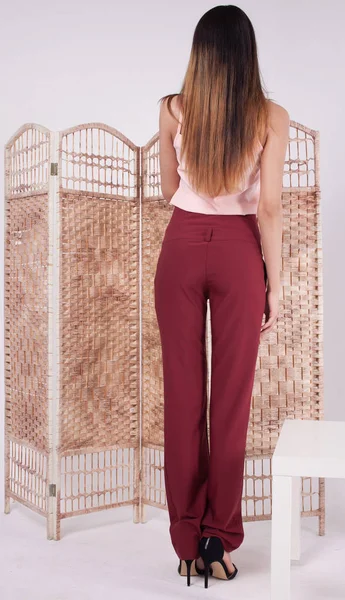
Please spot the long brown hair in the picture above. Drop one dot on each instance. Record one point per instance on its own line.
(222, 101)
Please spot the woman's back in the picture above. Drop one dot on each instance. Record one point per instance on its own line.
(263, 183)
(245, 201)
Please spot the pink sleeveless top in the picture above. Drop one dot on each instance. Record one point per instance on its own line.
(240, 203)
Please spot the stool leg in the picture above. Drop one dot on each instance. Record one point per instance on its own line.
(296, 518)
(281, 537)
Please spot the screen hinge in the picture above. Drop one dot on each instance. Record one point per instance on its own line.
(53, 169)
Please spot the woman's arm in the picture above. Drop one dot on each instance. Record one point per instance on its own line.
(167, 156)
(269, 212)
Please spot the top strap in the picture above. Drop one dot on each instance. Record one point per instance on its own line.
(179, 122)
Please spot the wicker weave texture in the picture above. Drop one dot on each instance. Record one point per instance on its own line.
(26, 316)
(99, 320)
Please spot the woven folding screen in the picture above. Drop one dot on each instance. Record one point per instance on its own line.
(84, 221)
(72, 321)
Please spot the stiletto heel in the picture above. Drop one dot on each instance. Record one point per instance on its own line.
(212, 551)
(189, 565)
(185, 568)
(207, 567)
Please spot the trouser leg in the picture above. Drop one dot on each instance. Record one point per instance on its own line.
(180, 303)
(237, 299)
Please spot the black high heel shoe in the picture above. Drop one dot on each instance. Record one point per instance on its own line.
(211, 551)
(189, 567)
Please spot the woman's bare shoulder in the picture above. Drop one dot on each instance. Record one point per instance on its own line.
(176, 105)
(278, 116)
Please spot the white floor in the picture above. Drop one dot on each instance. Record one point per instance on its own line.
(106, 556)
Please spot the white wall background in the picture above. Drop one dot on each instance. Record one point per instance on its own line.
(77, 61)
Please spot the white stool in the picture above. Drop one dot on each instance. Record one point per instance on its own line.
(305, 448)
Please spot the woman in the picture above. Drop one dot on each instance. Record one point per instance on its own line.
(222, 153)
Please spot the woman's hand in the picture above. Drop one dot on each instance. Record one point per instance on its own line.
(271, 311)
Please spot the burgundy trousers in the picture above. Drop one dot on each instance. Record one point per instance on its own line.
(215, 257)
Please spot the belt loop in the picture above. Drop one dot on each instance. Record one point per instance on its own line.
(208, 234)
